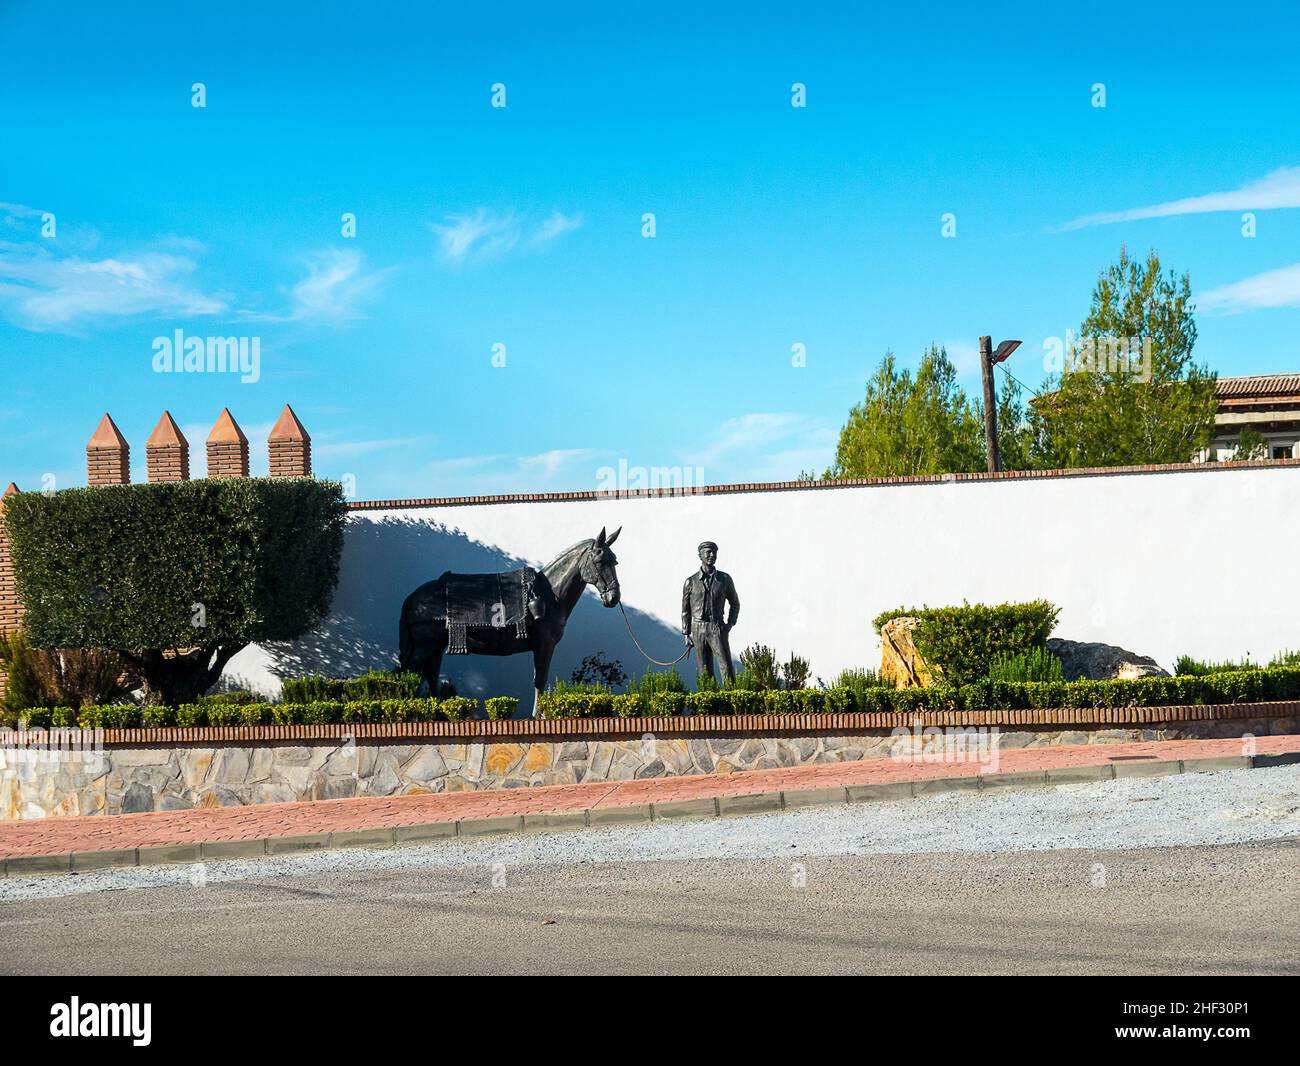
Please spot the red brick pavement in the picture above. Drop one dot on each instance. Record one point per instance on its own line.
(53, 836)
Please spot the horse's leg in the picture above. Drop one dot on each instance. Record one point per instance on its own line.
(434, 670)
(422, 653)
(542, 652)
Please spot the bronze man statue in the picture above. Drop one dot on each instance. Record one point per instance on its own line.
(706, 593)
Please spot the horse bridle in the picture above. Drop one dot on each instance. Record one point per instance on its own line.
(602, 589)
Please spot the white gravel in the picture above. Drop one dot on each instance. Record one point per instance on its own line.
(1229, 807)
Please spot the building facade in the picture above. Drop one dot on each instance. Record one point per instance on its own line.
(1269, 404)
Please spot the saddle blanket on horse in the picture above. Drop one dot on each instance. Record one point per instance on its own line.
(494, 600)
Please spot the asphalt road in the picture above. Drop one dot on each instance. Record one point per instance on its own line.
(1228, 908)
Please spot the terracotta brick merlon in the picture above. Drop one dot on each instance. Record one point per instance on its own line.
(227, 448)
(167, 452)
(108, 455)
(288, 428)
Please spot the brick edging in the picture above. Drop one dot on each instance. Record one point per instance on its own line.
(588, 495)
(698, 725)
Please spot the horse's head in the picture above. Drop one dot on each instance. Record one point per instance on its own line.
(598, 567)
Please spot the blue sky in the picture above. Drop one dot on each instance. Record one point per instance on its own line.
(522, 226)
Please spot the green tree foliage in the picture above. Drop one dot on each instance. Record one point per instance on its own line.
(176, 577)
(1250, 445)
(1101, 410)
(907, 425)
(23, 686)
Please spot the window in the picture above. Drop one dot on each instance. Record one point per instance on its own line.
(1282, 451)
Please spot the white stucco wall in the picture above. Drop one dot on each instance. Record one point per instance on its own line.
(1201, 562)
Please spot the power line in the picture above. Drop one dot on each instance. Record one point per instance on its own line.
(1003, 368)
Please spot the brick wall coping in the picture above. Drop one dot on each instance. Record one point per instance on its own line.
(802, 486)
(757, 725)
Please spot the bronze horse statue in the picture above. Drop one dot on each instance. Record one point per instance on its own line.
(504, 613)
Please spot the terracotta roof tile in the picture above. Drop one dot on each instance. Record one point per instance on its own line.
(1257, 385)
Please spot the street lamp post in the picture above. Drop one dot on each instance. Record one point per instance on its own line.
(988, 358)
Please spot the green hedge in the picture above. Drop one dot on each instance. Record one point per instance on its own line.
(1242, 686)
(321, 712)
(375, 685)
(962, 642)
(124, 566)
(1246, 686)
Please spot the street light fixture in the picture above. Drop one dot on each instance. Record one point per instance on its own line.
(988, 357)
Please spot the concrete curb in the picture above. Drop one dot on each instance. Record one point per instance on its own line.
(707, 807)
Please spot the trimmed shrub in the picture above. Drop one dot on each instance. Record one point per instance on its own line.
(709, 702)
(499, 707)
(255, 713)
(630, 705)
(115, 717)
(457, 708)
(568, 704)
(236, 696)
(311, 688)
(156, 716)
(191, 714)
(36, 717)
(962, 642)
(223, 713)
(101, 567)
(382, 685)
(666, 704)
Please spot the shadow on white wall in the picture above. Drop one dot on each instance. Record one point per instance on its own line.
(385, 560)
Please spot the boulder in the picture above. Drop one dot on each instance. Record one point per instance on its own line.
(901, 665)
(1081, 660)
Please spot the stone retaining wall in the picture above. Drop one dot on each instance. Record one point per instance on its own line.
(119, 778)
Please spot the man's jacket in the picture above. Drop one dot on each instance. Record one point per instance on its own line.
(699, 605)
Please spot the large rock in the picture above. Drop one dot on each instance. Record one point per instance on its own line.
(1081, 660)
(901, 665)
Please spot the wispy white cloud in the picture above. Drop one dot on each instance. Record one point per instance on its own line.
(764, 446)
(334, 291)
(502, 472)
(44, 291)
(482, 235)
(548, 464)
(1278, 189)
(556, 226)
(1272, 288)
(489, 234)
